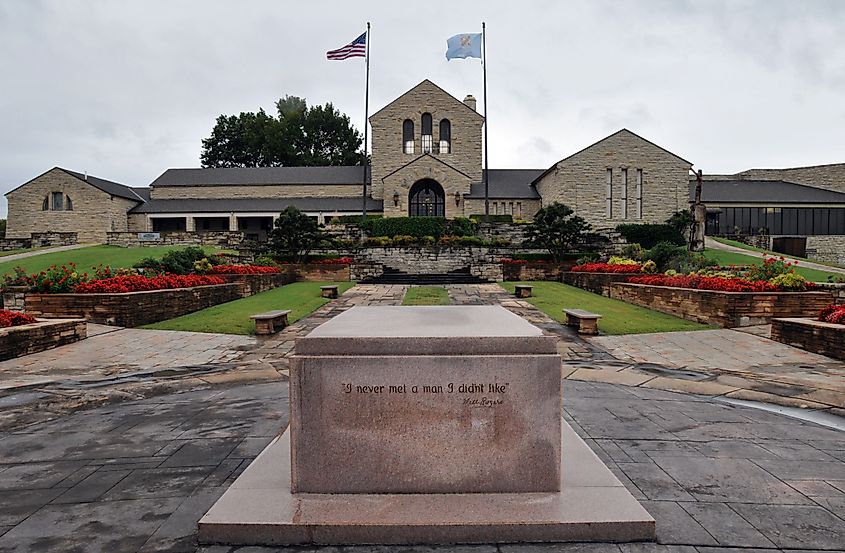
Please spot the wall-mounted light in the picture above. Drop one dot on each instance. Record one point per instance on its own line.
(457, 198)
(396, 199)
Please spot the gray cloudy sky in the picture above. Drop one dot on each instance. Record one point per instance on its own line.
(125, 89)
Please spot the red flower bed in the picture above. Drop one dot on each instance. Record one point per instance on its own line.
(243, 270)
(833, 314)
(706, 283)
(124, 284)
(13, 318)
(341, 260)
(509, 261)
(606, 268)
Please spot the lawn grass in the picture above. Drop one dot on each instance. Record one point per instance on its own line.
(618, 317)
(769, 252)
(233, 317)
(85, 258)
(426, 295)
(731, 258)
(21, 250)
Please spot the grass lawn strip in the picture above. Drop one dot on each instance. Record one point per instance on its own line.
(744, 246)
(86, 258)
(618, 317)
(426, 295)
(301, 298)
(731, 258)
(22, 250)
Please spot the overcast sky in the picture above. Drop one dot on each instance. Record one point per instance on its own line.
(126, 89)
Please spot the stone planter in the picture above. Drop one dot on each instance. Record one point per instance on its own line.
(255, 284)
(321, 271)
(728, 309)
(811, 335)
(13, 297)
(132, 308)
(597, 283)
(536, 270)
(18, 341)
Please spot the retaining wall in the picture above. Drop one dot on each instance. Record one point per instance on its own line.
(220, 239)
(811, 335)
(597, 283)
(18, 341)
(728, 309)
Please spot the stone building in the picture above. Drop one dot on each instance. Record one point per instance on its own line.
(426, 161)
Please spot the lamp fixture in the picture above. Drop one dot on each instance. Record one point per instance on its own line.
(396, 199)
(457, 198)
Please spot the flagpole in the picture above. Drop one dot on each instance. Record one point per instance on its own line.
(366, 123)
(486, 126)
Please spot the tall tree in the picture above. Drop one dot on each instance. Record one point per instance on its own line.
(297, 136)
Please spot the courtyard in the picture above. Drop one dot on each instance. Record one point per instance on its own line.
(122, 441)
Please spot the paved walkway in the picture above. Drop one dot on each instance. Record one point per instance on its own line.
(710, 243)
(24, 255)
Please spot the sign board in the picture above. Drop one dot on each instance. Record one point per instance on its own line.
(149, 236)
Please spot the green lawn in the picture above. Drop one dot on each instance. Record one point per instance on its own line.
(761, 250)
(731, 258)
(618, 317)
(21, 250)
(85, 258)
(426, 295)
(233, 317)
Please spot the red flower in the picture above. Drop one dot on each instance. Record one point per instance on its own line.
(833, 314)
(242, 269)
(606, 268)
(138, 283)
(719, 284)
(14, 318)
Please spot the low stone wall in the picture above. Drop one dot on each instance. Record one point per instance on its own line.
(829, 249)
(220, 239)
(13, 298)
(7, 244)
(42, 239)
(728, 309)
(429, 260)
(837, 290)
(361, 271)
(18, 341)
(597, 283)
(536, 270)
(321, 271)
(255, 284)
(133, 308)
(811, 335)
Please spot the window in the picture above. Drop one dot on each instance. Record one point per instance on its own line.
(639, 193)
(445, 136)
(45, 205)
(426, 199)
(608, 209)
(69, 204)
(426, 133)
(408, 136)
(624, 193)
(58, 203)
(511, 208)
(519, 209)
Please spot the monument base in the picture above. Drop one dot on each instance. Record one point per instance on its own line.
(259, 509)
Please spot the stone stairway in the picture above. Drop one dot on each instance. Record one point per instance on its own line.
(395, 276)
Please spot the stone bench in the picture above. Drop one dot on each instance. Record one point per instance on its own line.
(329, 291)
(523, 290)
(587, 323)
(271, 321)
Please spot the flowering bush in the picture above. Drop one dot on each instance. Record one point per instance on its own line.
(136, 283)
(607, 268)
(342, 260)
(242, 270)
(791, 281)
(649, 267)
(18, 277)
(706, 283)
(57, 280)
(616, 260)
(13, 318)
(833, 314)
(509, 261)
(770, 268)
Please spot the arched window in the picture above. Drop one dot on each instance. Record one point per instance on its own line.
(408, 136)
(445, 136)
(58, 201)
(68, 204)
(45, 205)
(426, 133)
(426, 199)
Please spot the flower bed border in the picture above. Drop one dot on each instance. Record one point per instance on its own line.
(811, 335)
(727, 309)
(17, 341)
(597, 283)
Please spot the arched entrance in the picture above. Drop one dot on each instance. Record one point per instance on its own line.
(427, 199)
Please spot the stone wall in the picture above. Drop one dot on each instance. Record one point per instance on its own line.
(829, 249)
(316, 272)
(94, 211)
(507, 231)
(597, 283)
(388, 154)
(353, 189)
(728, 309)
(255, 284)
(429, 260)
(426, 167)
(830, 177)
(523, 208)
(580, 181)
(7, 244)
(18, 341)
(837, 290)
(811, 335)
(131, 309)
(221, 239)
(14, 298)
(536, 270)
(43, 239)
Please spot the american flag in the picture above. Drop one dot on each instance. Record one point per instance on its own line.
(355, 49)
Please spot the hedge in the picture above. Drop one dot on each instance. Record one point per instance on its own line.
(353, 219)
(648, 235)
(419, 227)
(479, 217)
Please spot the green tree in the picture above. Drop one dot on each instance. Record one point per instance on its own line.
(295, 234)
(682, 222)
(557, 229)
(2, 228)
(297, 136)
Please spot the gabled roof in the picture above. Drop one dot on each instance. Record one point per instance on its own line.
(620, 131)
(255, 205)
(507, 184)
(420, 158)
(107, 186)
(229, 176)
(427, 82)
(764, 192)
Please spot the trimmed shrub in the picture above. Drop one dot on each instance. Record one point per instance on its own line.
(352, 219)
(648, 235)
(479, 217)
(407, 226)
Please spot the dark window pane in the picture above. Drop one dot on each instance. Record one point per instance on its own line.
(790, 220)
(58, 204)
(426, 123)
(445, 130)
(837, 221)
(820, 220)
(407, 130)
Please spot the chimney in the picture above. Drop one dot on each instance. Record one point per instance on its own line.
(86, 175)
(470, 101)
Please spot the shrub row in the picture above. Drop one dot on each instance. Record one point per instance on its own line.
(649, 235)
(419, 227)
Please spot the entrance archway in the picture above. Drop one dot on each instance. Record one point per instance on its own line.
(427, 199)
